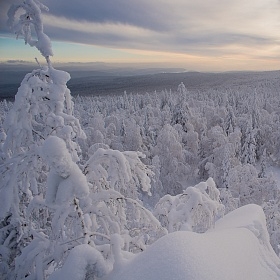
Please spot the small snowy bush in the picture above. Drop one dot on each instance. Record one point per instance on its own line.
(196, 209)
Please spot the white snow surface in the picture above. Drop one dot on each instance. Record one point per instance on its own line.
(237, 249)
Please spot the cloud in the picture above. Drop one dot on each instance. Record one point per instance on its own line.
(16, 61)
(175, 26)
(117, 29)
(213, 27)
(144, 13)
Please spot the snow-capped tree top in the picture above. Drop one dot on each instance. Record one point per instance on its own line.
(31, 16)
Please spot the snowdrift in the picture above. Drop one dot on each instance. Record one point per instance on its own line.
(237, 249)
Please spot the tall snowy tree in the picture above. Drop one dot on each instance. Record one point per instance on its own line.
(42, 107)
(249, 145)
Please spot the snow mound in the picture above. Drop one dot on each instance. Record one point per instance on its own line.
(251, 217)
(237, 249)
(81, 258)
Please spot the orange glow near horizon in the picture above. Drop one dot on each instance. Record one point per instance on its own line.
(230, 59)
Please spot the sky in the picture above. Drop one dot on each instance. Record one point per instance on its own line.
(201, 35)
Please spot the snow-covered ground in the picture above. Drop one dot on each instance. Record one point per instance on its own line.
(237, 249)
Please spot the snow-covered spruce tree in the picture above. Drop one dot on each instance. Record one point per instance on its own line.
(174, 168)
(46, 216)
(42, 107)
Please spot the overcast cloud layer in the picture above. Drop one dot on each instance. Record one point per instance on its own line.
(216, 28)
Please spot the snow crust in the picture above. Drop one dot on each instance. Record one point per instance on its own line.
(236, 249)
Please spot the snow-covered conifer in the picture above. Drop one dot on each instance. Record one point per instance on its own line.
(249, 145)
(42, 107)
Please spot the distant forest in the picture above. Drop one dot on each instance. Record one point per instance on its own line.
(110, 81)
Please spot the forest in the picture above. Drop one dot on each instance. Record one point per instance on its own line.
(96, 187)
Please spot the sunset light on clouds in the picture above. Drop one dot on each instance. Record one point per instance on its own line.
(212, 35)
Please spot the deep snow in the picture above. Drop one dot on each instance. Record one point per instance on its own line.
(237, 249)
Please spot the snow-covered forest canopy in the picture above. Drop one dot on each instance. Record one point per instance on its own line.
(178, 184)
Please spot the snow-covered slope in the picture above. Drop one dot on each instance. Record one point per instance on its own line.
(237, 249)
